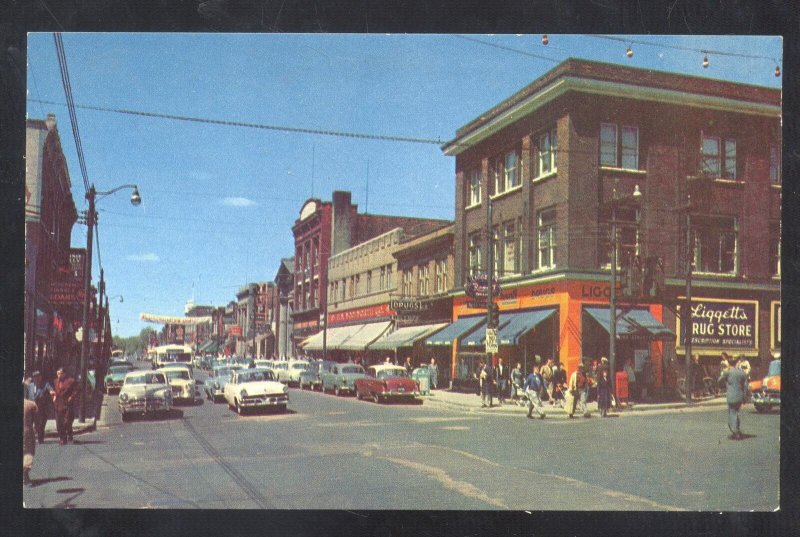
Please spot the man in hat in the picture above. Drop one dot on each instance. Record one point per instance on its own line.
(736, 386)
(38, 391)
(64, 394)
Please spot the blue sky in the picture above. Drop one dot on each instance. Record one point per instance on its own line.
(218, 202)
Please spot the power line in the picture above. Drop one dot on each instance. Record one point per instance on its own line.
(343, 134)
(510, 49)
(679, 47)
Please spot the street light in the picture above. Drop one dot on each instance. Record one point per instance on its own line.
(92, 196)
(612, 302)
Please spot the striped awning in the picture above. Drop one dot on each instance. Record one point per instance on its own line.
(405, 336)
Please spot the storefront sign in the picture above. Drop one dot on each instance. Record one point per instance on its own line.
(166, 319)
(400, 305)
(359, 314)
(66, 293)
(235, 330)
(305, 325)
(775, 321)
(723, 324)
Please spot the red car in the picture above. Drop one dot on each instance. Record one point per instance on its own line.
(384, 382)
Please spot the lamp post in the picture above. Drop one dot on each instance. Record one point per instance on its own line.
(612, 301)
(687, 315)
(93, 196)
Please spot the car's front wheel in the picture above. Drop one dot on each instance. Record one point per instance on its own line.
(376, 398)
(126, 417)
(239, 409)
(337, 391)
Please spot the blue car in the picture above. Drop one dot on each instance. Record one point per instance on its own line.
(218, 377)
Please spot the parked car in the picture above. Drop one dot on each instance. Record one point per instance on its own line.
(116, 376)
(144, 392)
(310, 377)
(291, 375)
(183, 386)
(340, 377)
(218, 377)
(253, 389)
(279, 369)
(384, 382)
(121, 362)
(766, 392)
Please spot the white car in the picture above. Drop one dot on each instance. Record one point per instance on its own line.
(279, 370)
(144, 392)
(254, 388)
(291, 375)
(183, 386)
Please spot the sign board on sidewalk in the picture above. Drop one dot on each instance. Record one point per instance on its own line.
(491, 340)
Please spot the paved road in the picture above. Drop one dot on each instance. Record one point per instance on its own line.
(340, 453)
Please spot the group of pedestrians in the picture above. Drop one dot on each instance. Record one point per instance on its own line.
(39, 397)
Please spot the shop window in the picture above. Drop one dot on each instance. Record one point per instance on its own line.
(548, 151)
(619, 146)
(718, 157)
(546, 239)
(627, 235)
(474, 254)
(775, 165)
(475, 188)
(715, 242)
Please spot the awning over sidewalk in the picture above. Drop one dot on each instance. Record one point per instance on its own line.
(455, 330)
(632, 323)
(334, 337)
(367, 334)
(405, 337)
(520, 324)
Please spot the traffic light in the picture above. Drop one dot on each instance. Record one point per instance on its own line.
(494, 315)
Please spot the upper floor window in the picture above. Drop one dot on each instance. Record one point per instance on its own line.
(388, 276)
(475, 188)
(474, 254)
(407, 282)
(546, 239)
(627, 243)
(441, 276)
(775, 165)
(511, 254)
(548, 151)
(497, 247)
(715, 244)
(423, 280)
(344, 290)
(382, 281)
(619, 147)
(718, 157)
(505, 173)
(369, 281)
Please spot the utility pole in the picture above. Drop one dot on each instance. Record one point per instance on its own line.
(612, 301)
(490, 265)
(687, 315)
(87, 284)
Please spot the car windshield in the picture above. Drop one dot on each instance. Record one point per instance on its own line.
(300, 366)
(774, 368)
(352, 369)
(119, 369)
(222, 372)
(178, 374)
(392, 373)
(148, 378)
(254, 376)
(312, 369)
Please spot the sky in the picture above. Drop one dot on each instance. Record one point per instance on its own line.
(219, 201)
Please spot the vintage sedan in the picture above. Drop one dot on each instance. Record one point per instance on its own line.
(279, 369)
(116, 376)
(384, 382)
(184, 387)
(340, 377)
(218, 377)
(144, 392)
(291, 375)
(309, 377)
(255, 388)
(766, 392)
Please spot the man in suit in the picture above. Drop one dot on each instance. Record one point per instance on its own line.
(486, 376)
(736, 386)
(501, 375)
(65, 392)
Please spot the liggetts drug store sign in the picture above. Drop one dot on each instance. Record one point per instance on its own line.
(722, 325)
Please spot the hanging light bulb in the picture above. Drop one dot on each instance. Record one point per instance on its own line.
(629, 52)
(705, 61)
(545, 39)
(777, 70)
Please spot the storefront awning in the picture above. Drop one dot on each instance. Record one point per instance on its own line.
(632, 323)
(367, 334)
(455, 330)
(204, 346)
(405, 337)
(212, 348)
(520, 324)
(334, 337)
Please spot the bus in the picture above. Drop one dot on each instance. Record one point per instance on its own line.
(166, 354)
(117, 354)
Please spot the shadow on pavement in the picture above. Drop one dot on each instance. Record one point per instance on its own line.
(39, 482)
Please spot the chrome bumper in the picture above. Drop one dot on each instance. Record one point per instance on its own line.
(264, 400)
(766, 398)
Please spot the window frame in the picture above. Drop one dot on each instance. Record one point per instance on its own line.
(551, 134)
(620, 151)
(550, 247)
(712, 225)
(719, 158)
(474, 188)
(474, 253)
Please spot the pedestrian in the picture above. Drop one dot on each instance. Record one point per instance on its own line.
(486, 384)
(408, 365)
(517, 380)
(39, 391)
(579, 390)
(744, 365)
(533, 387)
(433, 370)
(65, 391)
(736, 386)
(559, 384)
(28, 436)
(628, 368)
(546, 371)
(387, 360)
(501, 375)
(603, 392)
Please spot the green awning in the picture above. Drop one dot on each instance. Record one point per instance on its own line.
(631, 323)
(520, 324)
(455, 330)
(405, 337)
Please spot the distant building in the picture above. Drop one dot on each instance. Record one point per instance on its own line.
(283, 309)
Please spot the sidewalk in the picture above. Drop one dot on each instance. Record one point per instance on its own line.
(469, 402)
(90, 423)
